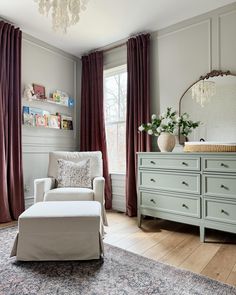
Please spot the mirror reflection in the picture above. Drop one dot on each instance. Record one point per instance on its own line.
(213, 102)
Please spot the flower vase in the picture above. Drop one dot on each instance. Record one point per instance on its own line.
(166, 142)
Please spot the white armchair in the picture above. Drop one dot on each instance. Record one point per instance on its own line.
(45, 188)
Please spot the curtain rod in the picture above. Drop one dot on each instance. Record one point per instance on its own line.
(106, 49)
(123, 43)
(7, 21)
(114, 47)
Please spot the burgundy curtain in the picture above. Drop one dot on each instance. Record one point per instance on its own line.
(92, 127)
(11, 176)
(138, 111)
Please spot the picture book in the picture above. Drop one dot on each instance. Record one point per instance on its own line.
(54, 121)
(66, 122)
(28, 119)
(41, 120)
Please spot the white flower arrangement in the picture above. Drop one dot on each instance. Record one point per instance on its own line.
(170, 123)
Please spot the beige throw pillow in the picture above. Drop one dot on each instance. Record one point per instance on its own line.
(71, 174)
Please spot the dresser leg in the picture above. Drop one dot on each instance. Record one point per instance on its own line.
(139, 220)
(202, 234)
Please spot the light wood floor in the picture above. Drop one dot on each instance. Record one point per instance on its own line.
(176, 244)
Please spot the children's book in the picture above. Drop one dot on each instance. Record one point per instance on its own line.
(66, 122)
(41, 120)
(54, 121)
(28, 119)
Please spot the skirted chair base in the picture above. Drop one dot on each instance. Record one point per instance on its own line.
(60, 231)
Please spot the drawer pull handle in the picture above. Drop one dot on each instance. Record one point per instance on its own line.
(184, 163)
(225, 187)
(185, 206)
(224, 212)
(224, 165)
(153, 201)
(152, 162)
(184, 183)
(152, 180)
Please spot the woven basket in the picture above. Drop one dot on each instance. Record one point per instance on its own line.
(210, 148)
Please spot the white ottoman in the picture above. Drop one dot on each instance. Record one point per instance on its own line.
(69, 230)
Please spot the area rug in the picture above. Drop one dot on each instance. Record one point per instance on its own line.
(121, 273)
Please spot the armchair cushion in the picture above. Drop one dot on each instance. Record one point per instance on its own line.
(69, 194)
(72, 174)
(95, 161)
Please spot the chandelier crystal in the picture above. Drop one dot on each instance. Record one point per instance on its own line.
(65, 13)
(202, 91)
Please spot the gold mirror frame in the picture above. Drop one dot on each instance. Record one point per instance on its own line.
(214, 73)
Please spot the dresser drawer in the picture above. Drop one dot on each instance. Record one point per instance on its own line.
(189, 206)
(219, 186)
(219, 164)
(217, 210)
(176, 182)
(173, 163)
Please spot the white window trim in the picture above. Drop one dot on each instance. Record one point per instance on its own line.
(108, 73)
(115, 70)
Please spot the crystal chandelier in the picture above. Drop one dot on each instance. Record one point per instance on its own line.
(64, 13)
(202, 91)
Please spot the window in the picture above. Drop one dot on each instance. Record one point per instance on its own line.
(115, 98)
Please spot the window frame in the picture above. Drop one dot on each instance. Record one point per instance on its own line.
(106, 74)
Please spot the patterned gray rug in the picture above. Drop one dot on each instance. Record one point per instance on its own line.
(121, 273)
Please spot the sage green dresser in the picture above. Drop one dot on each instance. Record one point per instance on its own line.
(192, 188)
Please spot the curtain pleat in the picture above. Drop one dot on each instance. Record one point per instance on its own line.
(11, 175)
(138, 112)
(92, 127)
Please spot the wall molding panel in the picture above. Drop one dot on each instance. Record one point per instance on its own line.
(208, 23)
(226, 40)
(118, 192)
(47, 47)
(46, 65)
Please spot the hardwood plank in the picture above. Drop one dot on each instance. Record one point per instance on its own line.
(182, 251)
(143, 245)
(118, 234)
(165, 246)
(232, 277)
(200, 257)
(8, 224)
(221, 265)
(160, 229)
(133, 239)
(113, 239)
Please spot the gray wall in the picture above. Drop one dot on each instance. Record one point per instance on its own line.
(180, 54)
(45, 65)
(114, 58)
(183, 52)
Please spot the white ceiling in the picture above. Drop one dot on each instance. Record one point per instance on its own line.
(105, 21)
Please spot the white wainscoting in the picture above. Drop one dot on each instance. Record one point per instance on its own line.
(29, 201)
(46, 65)
(35, 164)
(118, 192)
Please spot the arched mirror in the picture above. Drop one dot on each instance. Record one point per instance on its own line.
(212, 100)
